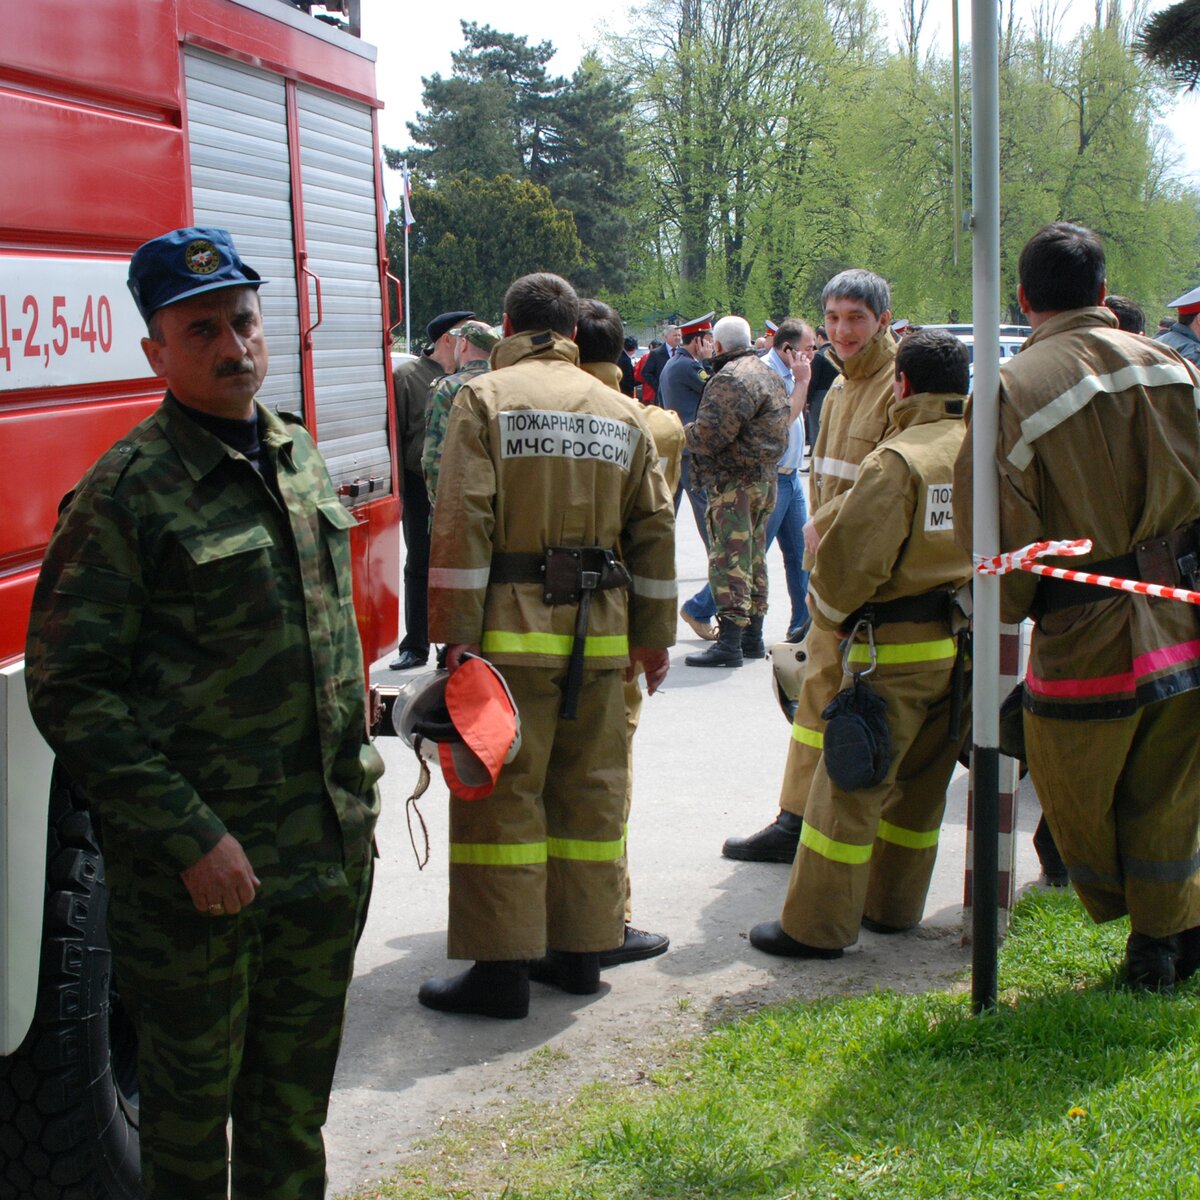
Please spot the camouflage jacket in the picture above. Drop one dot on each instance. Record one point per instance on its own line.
(441, 397)
(741, 428)
(193, 658)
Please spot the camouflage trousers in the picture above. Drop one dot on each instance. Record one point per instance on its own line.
(737, 549)
(238, 1017)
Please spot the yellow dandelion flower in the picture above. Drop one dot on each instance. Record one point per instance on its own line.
(1077, 1112)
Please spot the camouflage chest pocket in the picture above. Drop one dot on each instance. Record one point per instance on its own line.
(336, 523)
(231, 577)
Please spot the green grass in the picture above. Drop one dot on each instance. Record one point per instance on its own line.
(1073, 1087)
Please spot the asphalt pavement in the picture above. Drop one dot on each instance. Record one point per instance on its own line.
(709, 758)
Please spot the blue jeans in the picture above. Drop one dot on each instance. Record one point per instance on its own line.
(787, 524)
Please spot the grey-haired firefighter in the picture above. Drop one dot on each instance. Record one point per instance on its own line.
(888, 581)
(554, 555)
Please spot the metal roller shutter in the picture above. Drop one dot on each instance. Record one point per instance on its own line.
(241, 181)
(337, 164)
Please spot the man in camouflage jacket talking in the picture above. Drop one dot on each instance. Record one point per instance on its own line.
(193, 661)
(739, 434)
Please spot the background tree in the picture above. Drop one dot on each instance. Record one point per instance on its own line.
(1171, 40)
(473, 237)
(500, 112)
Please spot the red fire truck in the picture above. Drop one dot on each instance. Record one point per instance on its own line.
(117, 123)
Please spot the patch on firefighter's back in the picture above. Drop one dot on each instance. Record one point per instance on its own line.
(530, 433)
(939, 508)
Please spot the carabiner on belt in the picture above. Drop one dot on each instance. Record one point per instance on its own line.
(870, 628)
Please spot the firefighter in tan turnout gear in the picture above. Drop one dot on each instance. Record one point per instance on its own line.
(857, 308)
(553, 554)
(884, 585)
(1099, 439)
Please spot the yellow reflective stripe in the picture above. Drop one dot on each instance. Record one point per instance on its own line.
(502, 642)
(808, 737)
(891, 653)
(826, 847)
(910, 839)
(579, 850)
(503, 854)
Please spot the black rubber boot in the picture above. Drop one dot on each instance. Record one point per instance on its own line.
(770, 938)
(753, 645)
(726, 651)
(776, 843)
(1054, 870)
(638, 945)
(488, 989)
(1189, 953)
(1150, 962)
(577, 973)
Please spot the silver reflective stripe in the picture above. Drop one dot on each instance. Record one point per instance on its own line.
(1178, 870)
(837, 467)
(459, 578)
(830, 614)
(1081, 394)
(655, 589)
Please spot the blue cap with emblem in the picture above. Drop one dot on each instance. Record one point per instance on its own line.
(185, 263)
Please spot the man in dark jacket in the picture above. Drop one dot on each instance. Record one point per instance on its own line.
(411, 382)
(739, 434)
(1184, 336)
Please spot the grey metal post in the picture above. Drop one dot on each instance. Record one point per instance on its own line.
(985, 202)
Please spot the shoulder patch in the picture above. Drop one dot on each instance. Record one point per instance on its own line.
(702, 373)
(107, 471)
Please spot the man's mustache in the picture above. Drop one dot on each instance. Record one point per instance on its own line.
(243, 366)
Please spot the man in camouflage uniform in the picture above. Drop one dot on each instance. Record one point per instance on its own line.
(740, 432)
(194, 662)
(473, 344)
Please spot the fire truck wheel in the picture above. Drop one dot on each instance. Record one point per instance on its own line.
(68, 1095)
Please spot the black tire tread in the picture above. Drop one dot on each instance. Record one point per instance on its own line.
(63, 1136)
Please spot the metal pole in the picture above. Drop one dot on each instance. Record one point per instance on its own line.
(407, 289)
(956, 216)
(985, 200)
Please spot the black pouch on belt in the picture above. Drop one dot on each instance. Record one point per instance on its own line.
(858, 746)
(571, 575)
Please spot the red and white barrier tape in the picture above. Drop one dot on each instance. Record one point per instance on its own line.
(1026, 558)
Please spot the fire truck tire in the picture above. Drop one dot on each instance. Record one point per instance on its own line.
(68, 1095)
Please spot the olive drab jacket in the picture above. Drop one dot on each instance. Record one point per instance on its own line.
(893, 535)
(853, 421)
(540, 454)
(1099, 438)
(193, 650)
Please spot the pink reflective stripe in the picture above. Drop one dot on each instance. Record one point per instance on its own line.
(1104, 685)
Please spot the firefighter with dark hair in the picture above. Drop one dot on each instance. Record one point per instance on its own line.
(553, 556)
(886, 583)
(1099, 439)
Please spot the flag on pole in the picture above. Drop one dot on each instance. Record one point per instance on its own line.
(408, 216)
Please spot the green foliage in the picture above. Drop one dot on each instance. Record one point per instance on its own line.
(734, 154)
(474, 236)
(501, 113)
(1073, 1087)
